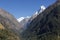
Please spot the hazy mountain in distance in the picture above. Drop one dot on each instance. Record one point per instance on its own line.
(25, 21)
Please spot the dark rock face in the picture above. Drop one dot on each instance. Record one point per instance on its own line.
(46, 26)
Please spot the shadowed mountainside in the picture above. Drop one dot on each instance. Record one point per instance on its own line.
(46, 26)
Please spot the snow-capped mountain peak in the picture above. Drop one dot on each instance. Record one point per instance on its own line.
(25, 21)
(42, 8)
(20, 19)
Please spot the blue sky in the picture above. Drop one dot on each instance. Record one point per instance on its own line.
(23, 8)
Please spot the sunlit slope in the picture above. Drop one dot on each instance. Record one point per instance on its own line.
(1, 26)
(7, 35)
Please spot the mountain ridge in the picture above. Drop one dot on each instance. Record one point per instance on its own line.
(9, 23)
(46, 26)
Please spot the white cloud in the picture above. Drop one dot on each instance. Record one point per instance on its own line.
(20, 19)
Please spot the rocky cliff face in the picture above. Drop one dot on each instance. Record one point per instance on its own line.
(46, 26)
(9, 27)
(9, 18)
(23, 24)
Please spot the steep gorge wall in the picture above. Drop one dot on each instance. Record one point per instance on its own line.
(9, 27)
(46, 26)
